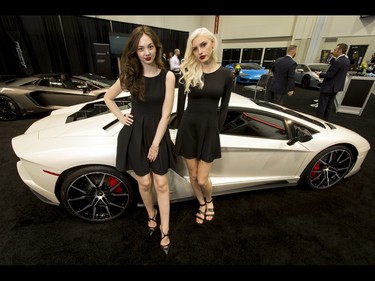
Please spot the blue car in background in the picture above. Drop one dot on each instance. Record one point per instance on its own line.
(249, 73)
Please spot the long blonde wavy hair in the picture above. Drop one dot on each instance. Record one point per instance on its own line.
(191, 67)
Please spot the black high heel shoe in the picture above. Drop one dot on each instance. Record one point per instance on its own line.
(165, 248)
(152, 229)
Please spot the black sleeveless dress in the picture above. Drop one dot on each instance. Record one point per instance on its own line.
(200, 124)
(134, 141)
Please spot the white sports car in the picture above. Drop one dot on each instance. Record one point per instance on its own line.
(68, 157)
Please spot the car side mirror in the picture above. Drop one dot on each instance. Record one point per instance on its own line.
(302, 135)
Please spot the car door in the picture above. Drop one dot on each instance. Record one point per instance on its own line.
(56, 94)
(255, 151)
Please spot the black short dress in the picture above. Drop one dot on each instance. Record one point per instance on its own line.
(200, 123)
(134, 141)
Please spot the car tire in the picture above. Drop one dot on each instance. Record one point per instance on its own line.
(305, 81)
(97, 193)
(328, 168)
(9, 109)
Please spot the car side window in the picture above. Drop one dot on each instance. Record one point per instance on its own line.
(56, 84)
(294, 127)
(44, 83)
(81, 85)
(254, 124)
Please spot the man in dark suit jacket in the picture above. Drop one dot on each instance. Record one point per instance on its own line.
(333, 82)
(282, 82)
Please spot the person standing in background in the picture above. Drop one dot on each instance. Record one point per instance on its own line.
(144, 144)
(170, 56)
(371, 64)
(330, 58)
(333, 81)
(165, 61)
(174, 62)
(354, 61)
(372, 60)
(282, 82)
(205, 84)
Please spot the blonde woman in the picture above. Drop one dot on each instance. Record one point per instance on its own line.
(207, 87)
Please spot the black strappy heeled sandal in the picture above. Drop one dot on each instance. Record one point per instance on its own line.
(152, 229)
(165, 248)
(210, 210)
(199, 212)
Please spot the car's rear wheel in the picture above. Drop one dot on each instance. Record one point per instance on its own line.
(97, 193)
(305, 82)
(328, 167)
(9, 109)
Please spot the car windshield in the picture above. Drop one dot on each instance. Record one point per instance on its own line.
(319, 67)
(250, 66)
(97, 108)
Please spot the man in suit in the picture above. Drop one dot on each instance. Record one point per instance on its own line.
(282, 82)
(333, 82)
(330, 58)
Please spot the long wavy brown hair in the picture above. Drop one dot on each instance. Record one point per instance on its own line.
(131, 74)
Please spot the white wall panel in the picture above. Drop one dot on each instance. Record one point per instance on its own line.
(254, 31)
(240, 27)
(180, 23)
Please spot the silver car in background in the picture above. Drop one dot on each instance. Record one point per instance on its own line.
(46, 92)
(305, 74)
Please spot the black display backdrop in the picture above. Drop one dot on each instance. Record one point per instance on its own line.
(357, 92)
(41, 44)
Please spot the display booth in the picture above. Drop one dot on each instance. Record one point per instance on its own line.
(354, 97)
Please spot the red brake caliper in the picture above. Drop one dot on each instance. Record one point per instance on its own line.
(316, 168)
(112, 182)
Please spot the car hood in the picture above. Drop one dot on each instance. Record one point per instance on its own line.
(53, 130)
(56, 123)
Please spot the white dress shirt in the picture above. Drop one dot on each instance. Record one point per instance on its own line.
(174, 63)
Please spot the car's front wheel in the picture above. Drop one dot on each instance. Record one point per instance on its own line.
(9, 109)
(328, 167)
(305, 82)
(97, 193)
